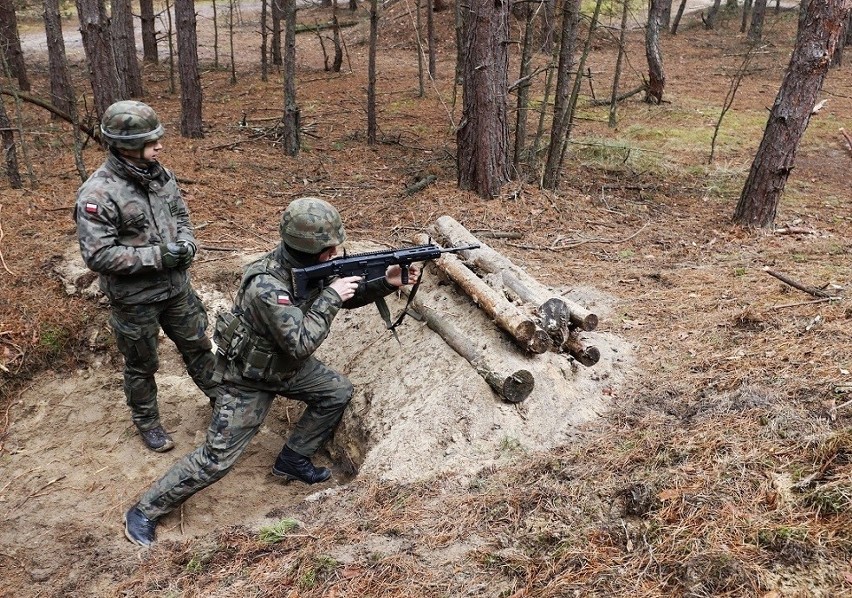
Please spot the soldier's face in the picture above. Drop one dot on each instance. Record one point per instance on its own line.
(328, 254)
(151, 151)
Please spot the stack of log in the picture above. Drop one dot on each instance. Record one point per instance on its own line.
(534, 317)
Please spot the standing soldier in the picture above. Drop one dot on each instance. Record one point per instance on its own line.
(134, 230)
(265, 348)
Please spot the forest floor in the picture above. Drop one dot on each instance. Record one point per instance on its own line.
(708, 453)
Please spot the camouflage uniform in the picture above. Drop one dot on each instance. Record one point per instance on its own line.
(272, 339)
(124, 214)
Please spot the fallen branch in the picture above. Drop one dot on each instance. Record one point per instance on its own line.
(794, 230)
(50, 108)
(421, 184)
(797, 285)
(823, 300)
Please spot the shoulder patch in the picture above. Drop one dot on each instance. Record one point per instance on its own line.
(284, 299)
(91, 207)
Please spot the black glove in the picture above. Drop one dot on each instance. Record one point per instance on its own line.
(187, 258)
(172, 254)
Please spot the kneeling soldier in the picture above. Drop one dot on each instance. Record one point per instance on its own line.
(265, 348)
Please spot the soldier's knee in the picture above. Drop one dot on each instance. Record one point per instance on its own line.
(143, 368)
(345, 390)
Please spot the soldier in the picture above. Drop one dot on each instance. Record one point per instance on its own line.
(134, 230)
(265, 348)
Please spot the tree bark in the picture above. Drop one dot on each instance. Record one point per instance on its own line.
(10, 154)
(656, 74)
(97, 43)
(524, 87)
(483, 135)
(190, 81)
(371, 73)
(290, 121)
(676, 22)
(264, 35)
(755, 31)
(710, 21)
(124, 48)
(276, 33)
(559, 125)
(149, 32)
(61, 91)
(815, 42)
(512, 386)
(430, 36)
(10, 43)
(746, 13)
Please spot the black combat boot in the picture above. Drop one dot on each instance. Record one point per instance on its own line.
(293, 466)
(157, 439)
(138, 528)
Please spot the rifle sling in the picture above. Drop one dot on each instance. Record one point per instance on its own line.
(385, 311)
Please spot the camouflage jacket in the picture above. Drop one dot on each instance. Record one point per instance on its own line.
(276, 333)
(122, 217)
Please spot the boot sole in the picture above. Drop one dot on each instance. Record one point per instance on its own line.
(291, 478)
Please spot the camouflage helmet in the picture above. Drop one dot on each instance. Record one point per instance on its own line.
(131, 125)
(311, 224)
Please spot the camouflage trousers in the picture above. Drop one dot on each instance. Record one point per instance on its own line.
(137, 327)
(238, 415)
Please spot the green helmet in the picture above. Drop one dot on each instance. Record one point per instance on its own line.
(311, 224)
(131, 125)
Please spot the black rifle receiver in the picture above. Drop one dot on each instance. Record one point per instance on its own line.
(371, 265)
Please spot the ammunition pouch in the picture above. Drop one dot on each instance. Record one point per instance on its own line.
(255, 357)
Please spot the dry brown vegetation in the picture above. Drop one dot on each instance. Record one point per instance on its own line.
(724, 468)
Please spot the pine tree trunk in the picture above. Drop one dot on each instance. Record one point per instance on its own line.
(371, 73)
(755, 32)
(483, 135)
(61, 91)
(430, 36)
(523, 88)
(149, 32)
(291, 120)
(656, 75)
(10, 155)
(190, 81)
(124, 48)
(818, 35)
(264, 35)
(276, 33)
(97, 43)
(567, 47)
(10, 42)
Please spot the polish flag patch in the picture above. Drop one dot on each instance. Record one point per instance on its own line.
(91, 208)
(283, 299)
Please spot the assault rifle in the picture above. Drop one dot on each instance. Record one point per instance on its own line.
(371, 265)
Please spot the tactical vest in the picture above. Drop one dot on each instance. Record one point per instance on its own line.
(256, 357)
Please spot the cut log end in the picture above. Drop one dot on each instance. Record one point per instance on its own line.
(589, 356)
(588, 323)
(514, 388)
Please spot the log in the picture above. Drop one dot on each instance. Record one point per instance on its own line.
(588, 356)
(527, 288)
(512, 386)
(507, 316)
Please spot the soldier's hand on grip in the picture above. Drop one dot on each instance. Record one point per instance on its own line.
(346, 287)
(394, 275)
